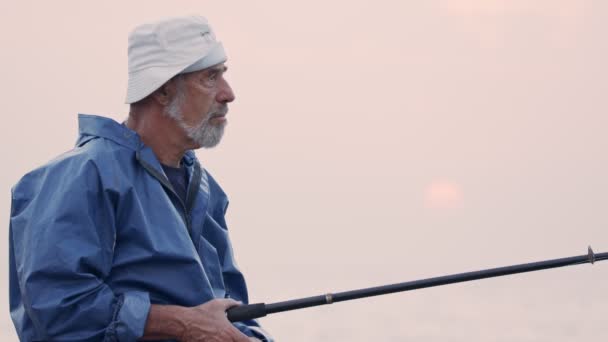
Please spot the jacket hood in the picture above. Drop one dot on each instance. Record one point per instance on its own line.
(93, 126)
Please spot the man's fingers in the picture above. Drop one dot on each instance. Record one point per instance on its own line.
(237, 335)
(227, 303)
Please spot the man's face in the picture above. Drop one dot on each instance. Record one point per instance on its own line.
(200, 105)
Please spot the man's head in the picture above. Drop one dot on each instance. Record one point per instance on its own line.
(200, 103)
(176, 67)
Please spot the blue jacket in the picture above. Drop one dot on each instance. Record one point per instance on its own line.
(97, 235)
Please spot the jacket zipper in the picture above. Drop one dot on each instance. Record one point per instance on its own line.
(190, 196)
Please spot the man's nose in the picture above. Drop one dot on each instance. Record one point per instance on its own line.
(225, 94)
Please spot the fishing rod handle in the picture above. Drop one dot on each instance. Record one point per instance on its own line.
(246, 312)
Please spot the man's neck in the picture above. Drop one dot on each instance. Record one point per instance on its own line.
(162, 135)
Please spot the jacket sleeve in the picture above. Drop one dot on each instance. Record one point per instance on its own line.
(62, 240)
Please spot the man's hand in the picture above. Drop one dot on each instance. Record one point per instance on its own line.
(207, 322)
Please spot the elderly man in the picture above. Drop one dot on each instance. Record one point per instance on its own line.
(124, 237)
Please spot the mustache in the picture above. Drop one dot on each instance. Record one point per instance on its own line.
(222, 111)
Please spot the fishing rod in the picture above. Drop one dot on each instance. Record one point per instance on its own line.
(251, 311)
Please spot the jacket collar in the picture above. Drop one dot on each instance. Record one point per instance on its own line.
(93, 126)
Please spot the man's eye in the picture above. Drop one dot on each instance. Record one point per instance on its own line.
(211, 79)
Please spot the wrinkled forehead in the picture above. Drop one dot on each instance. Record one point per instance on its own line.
(218, 68)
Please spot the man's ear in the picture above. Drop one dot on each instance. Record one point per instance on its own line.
(164, 94)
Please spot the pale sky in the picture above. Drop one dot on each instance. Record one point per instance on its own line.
(370, 142)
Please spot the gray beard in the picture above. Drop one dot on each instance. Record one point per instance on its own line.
(206, 135)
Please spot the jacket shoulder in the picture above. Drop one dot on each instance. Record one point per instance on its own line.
(81, 164)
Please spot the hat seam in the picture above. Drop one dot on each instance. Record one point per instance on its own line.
(156, 66)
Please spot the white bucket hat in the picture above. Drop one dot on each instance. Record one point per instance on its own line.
(161, 50)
